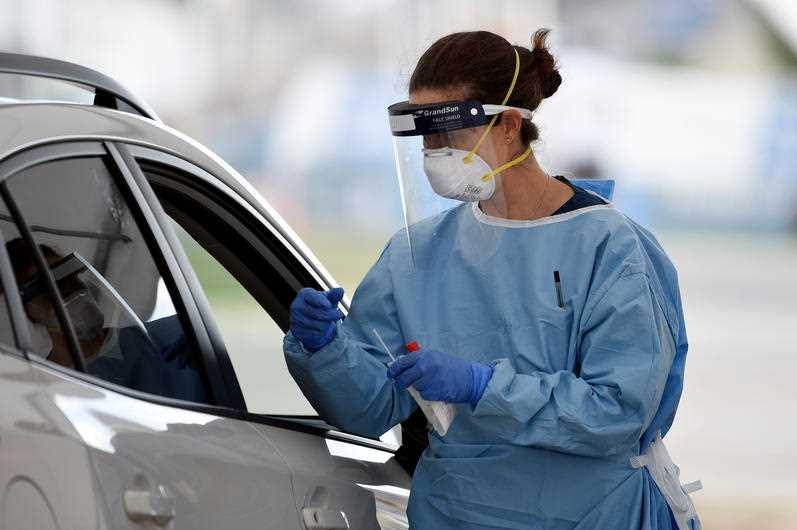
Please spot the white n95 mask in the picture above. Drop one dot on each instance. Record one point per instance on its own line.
(451, 176)
(87, 317)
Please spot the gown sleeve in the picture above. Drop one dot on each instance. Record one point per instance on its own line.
(346, 381)
(604, 405)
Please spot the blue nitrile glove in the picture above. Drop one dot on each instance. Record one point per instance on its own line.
(313, 317)
(439, 376)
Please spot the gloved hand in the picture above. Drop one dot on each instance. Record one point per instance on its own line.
(439, 376)
(313, 316)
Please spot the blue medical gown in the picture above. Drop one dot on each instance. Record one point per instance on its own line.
(577, 390)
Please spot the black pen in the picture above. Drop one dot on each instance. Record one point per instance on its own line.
(558, 285)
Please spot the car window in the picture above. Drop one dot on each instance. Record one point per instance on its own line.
(253, 339)
(115, 297)
(249, 299)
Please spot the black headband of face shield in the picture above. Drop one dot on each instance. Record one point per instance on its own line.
(64, 271)
(408, 119)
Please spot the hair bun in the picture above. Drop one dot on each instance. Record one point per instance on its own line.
(550, 84)
(545, 64)
(481, 66)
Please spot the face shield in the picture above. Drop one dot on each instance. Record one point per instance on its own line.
(93, 305)
(444, 157)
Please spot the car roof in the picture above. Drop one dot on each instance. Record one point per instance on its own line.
(107, 91)
(26, 125)
(117, 114)
(36, 123)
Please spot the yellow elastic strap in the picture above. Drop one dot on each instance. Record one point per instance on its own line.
(469, 157)
(516, 161)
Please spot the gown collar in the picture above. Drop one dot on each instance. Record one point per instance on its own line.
(521, 223)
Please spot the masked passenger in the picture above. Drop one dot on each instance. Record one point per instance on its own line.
(549, 320)
(116, 345)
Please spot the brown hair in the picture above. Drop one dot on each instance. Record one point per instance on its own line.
(483, 63)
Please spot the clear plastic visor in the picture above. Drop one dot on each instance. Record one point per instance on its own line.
(440, 171)
(463, 139)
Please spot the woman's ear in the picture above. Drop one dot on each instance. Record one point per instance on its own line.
(511, 121)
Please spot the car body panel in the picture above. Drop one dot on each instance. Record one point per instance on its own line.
(331, 473)
(221, 473)
(46, 474)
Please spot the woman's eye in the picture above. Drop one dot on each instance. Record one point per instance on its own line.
(430, 143)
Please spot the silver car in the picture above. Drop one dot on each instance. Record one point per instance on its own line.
(145, 290)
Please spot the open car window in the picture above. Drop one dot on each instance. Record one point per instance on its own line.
(248, 292)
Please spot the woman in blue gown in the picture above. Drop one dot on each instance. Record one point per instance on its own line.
(550, 321)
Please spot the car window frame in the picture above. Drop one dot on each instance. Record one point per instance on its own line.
(217, 362)
(302, 275)
(57, 150)
(212, 194)
(16, 310)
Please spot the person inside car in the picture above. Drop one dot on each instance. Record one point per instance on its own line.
(152, 357)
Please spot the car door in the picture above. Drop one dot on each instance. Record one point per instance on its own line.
(249, 271)
(108, 429)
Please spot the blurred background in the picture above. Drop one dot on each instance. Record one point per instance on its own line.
(691, 105)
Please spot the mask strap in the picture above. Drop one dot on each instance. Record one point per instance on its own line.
(516, 161)
(469, 157)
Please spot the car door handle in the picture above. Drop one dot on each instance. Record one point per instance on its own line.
(324, 519)
(144, 505)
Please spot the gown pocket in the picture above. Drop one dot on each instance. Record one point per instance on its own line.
(545, 340)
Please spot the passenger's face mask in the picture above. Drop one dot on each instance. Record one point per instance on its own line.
(86, 315)
(83, 311)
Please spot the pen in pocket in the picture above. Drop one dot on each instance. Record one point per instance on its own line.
(558, 285)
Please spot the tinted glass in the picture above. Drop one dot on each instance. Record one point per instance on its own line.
(115, 297)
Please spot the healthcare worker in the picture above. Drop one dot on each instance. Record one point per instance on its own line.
(548, 319)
